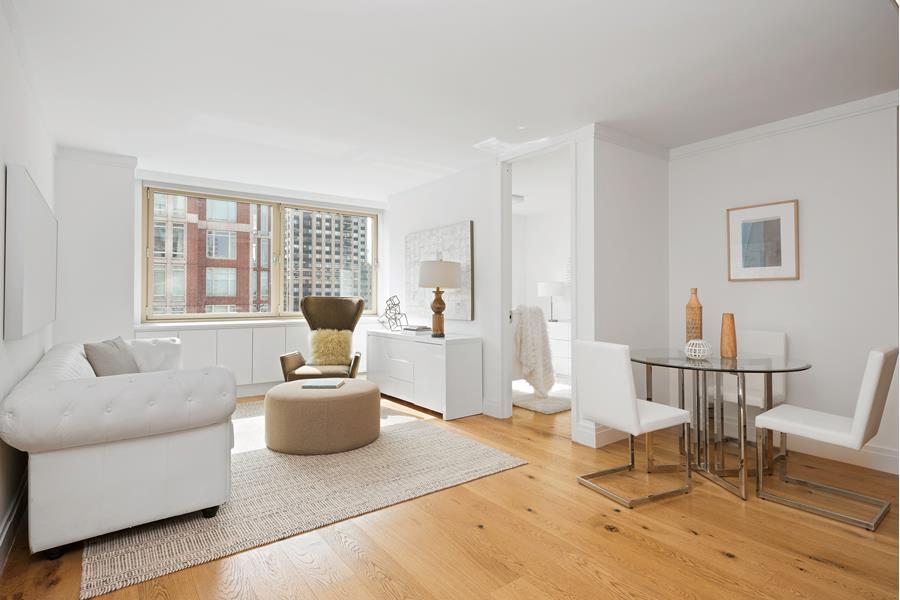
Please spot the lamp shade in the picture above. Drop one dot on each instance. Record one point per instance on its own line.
(551, 288)
(439, 274)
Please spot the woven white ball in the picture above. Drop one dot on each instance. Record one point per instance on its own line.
(697, 349)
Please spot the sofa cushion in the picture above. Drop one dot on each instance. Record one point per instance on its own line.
(111, 357)
(331, 346)
(320, 371)
(156, 354)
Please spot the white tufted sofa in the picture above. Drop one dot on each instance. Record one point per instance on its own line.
(106, 453)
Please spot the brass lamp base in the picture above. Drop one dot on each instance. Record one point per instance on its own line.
(437, 319)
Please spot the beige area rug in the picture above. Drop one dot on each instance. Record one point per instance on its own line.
(559, 399)
(275, 496)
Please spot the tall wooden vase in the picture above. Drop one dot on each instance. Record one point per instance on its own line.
(728, 342)
(693, 318)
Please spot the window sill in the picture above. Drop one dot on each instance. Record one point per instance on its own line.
(163, 326)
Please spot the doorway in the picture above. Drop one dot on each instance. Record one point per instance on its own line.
(541, 280)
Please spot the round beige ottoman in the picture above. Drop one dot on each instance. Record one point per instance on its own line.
(300, 421)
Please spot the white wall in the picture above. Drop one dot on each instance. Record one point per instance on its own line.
(96, 210)
(24, 140)
(631, 218)
(844, 173)
(519, 263)
(473, 194)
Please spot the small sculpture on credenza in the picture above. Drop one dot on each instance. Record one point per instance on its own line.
(393, 319)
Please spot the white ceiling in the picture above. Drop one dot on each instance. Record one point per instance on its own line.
(364, 98)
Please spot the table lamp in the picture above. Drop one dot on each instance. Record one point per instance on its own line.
(549, 289)
(439, 274)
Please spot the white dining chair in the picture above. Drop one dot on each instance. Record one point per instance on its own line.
(604, 384)
(850, 432)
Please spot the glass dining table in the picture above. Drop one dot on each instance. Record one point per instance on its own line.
(713, 468)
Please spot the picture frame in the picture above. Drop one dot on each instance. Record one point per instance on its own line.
(449, 242)
(763, 241)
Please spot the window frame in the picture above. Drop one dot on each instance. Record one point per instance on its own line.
(275, 299)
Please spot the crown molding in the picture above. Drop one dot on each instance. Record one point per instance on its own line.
(626, 140)
(595, 131)
(549, 144)
(95, 156)
(819, 117)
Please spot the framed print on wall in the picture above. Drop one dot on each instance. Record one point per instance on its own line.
(763, 242)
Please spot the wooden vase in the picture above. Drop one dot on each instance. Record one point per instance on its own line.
(693, 318)
(728, 342)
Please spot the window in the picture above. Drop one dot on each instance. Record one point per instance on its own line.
(159, 283)
(220, 308)
(264, 253)
(176, 285)
(311, 253)
(244, 257)
(159, 240)
(264, 285)
(221, 244)
(221, 281)
(221, 210)
(177, 240)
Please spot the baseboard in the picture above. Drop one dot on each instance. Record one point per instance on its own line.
(10, 522)
(589, 434)
(255, 389)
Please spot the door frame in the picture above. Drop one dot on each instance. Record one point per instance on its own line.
(507, 161)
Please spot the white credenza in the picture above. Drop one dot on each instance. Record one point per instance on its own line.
(560, 334)
(440, 374)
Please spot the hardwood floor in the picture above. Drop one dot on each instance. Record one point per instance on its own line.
(532, 532)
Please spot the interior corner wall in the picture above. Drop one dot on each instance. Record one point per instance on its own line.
(844, 174)
(24, 140)
(96, 210)
(473, 194)
(631, 247)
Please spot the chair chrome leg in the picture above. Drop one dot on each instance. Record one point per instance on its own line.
(586, 480)
(883, 505)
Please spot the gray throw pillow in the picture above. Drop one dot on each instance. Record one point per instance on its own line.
(111, 357)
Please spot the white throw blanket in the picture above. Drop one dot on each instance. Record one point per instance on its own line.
(532, 346)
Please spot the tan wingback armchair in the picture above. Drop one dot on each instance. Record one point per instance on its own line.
(325, 312)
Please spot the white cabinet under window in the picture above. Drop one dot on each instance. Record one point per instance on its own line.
(198, 348)
(235, 351)
(268, 346)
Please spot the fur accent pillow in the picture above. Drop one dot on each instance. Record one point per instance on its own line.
(331, 346)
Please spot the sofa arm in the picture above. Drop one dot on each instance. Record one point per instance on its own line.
(82, 412)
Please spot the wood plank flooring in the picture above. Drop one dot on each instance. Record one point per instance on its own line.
(532, 532)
